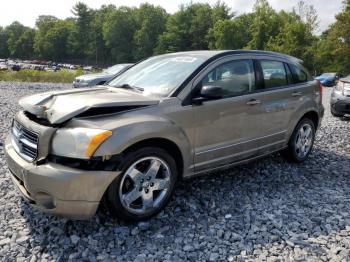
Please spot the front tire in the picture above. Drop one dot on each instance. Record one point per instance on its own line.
(145, 185)
(301, 142)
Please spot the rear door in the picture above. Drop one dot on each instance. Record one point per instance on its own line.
(283, 96)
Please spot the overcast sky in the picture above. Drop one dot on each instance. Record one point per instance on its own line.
(26, 11)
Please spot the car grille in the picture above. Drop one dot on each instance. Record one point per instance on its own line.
(24, 141)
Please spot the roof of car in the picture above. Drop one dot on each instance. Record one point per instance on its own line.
(213, 53)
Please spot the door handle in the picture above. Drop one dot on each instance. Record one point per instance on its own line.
(253, 102)
(297, 94)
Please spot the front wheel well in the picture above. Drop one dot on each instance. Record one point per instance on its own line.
(165, 144)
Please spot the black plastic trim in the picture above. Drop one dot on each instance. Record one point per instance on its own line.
(93, 164)
(97, 111)
(259, 75)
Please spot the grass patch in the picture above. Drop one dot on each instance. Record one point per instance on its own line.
(26, 75)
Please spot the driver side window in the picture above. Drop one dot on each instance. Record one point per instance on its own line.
(234, 77)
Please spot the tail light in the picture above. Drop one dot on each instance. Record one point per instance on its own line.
(320, 89)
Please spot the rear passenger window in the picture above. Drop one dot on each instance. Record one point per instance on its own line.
(298, 74)
(274, 73)
(235, 77)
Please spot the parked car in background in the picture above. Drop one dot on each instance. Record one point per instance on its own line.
(328, 79)
(38, 67)
(25, 66)
(15, 67)
(18, 64)
(88, 68)
(100, 78)
(3, 67)
(168, 117)
(340, 99)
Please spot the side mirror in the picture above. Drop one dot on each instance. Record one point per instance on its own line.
(208, 92)
(212, 92)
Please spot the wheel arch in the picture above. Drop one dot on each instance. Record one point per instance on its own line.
(313, 116)
(169, 146)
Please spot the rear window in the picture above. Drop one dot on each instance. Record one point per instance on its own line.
(274, 73)
(299, 75)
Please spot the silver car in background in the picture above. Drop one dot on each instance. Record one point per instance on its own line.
(100, 78)
(340, 99)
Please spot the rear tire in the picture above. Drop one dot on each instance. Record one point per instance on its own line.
(301, 142)
(144, 186)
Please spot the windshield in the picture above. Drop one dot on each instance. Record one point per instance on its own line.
(114, 69)
(160, 75)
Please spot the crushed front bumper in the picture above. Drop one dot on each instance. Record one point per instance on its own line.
(58, 189)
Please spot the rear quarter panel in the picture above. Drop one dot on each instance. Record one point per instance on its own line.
(310, 101)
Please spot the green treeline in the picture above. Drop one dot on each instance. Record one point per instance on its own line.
(127, 34)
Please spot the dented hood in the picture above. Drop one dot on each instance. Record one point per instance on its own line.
(58, 107)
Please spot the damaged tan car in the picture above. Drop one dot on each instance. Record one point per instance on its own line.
(166, 118)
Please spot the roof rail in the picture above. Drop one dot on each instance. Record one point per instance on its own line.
(260, 52)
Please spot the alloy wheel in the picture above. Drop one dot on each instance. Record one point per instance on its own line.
(304, 140)
(145, 185)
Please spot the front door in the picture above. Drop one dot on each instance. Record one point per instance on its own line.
(228, 129)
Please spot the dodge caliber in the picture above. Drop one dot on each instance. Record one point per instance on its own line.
(167, 118)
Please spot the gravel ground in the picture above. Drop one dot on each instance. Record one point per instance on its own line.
(268, 210)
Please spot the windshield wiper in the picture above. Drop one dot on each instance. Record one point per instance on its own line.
(127, 86)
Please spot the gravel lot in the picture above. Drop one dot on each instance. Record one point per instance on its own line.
(268, 210)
